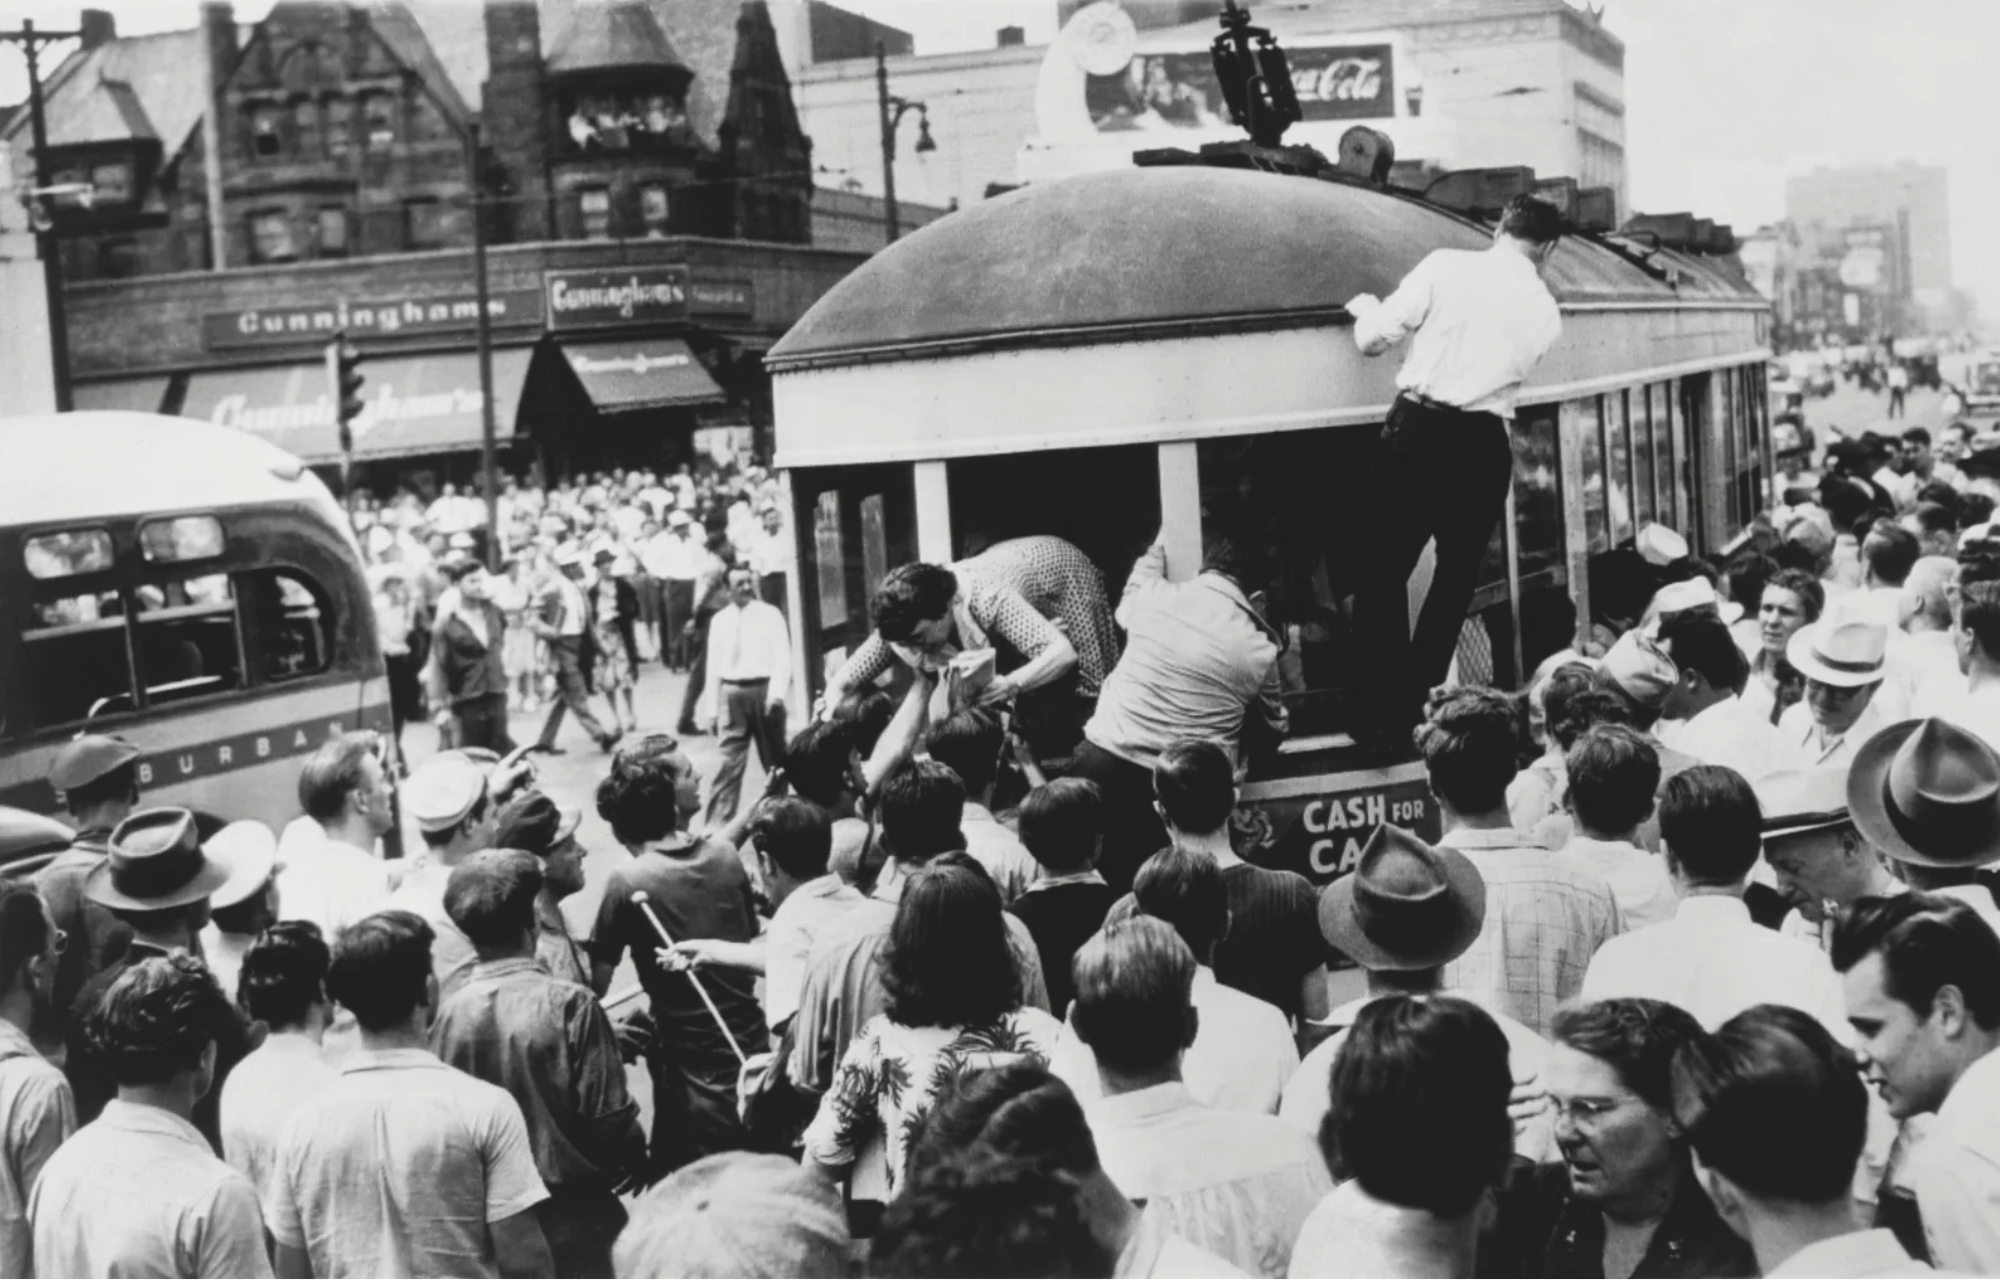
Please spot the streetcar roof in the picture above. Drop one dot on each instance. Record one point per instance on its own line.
(104, 464)
(1137, 251)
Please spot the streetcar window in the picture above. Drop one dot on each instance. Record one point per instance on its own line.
(293, 622)
(1644, 510)
(1590, 431)
(189, 644)
(68, 553)
(832, 560)
(1618, 467)
(182, 538)
(1064, 495)
(75, 661)
(1537, 496)
(1680, 463)
(874, 544)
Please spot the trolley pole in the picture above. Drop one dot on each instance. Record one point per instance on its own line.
(31, 42)
(488, 446)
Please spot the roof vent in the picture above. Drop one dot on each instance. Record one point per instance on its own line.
(1481, 193)
(1668, 230)
(1596, 209)
(1560, 192)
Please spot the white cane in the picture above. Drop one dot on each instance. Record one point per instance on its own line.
(645, 904)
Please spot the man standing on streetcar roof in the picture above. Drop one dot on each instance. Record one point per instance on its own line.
(1478, 324)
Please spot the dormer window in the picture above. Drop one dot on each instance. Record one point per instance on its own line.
(111, 183)
(267, 138)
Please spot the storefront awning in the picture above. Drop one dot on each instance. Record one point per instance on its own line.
(413, 404)
(135, 395)
(641, 373)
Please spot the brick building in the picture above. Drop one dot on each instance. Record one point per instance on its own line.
(644, 185)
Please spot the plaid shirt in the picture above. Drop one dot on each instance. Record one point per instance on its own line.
(1545, 918)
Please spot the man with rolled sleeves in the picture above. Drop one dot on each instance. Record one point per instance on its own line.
(97, 776)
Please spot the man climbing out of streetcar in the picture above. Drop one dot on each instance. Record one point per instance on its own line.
(1038, 603)
(1478, 324)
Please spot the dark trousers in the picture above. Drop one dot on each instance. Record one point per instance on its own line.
(1439, 474)
(482, 722)
(741, 720)
(697, 665)
(1132, 828)
(574, 694)
(581, 1226)
(1896, 395)
(678, 606)
(694, 1111)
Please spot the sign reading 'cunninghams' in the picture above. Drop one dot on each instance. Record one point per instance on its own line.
(377, 318)
(632, 295)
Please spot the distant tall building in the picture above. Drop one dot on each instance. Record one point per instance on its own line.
(1904, 209)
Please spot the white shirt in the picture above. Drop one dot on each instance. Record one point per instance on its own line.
(574, 616)
(767, 552)
(1957, 1174)
(1483, 320)
(1729, 733)
(1974, 708)
(683, 557)
(1712, 960)
(261, 1094)
(326, 881)
(999, 850)
(1937, 686)
(655, 554)
(1810, 748)
(1308, 1095)
(1353, 1234)
(748, 642)
(1237, 1185)
(788, 943)
(37, 1115)
(1638, 879)
(1859, 1255)
(223, 953)
(399, 1167)
(1242, 1057)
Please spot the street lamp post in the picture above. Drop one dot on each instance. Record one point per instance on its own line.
(488, 431)
(892, 110)
(31, 42)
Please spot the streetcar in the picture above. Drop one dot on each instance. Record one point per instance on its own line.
(1155, 351)
(188, 586)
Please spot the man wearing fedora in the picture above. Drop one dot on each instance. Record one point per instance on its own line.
(1843, 663)
(1926, 794)
(156, 879)
(1823, 864)
(97, 777)
(1408, 910)
(1922, 983)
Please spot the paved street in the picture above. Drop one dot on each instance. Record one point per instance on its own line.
(1850, 410)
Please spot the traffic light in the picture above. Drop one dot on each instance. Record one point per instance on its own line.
(343, 372)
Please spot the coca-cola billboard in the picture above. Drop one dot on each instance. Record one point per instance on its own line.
(1179, 91)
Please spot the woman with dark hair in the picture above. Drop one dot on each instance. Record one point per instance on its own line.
(954, 1005)
(1792, 599)
(694, 888)
(1623, 1200)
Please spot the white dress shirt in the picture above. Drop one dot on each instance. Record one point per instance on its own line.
(1238, 1185)
(1482, 321)
(748, 642)
(223, 954)
(1242, 1057)
(999, 850)
(1936, 683)
(1974, 707)
(1638, 878)
(1730, 733)
(767, 552)
(1714, 961)
(1809, 745)
(327, 882)
(1859, 1255)
(1957, 1174)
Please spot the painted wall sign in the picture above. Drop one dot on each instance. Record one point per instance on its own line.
(374, 318)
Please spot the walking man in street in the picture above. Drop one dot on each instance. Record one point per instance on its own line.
(468, 676)
(749, 666)
(1480, 323)
(563, 620)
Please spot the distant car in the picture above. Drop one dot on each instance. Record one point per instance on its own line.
(28, 841)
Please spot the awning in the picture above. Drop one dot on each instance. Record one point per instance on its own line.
(136, 395)
(413, 404)
(641, 373)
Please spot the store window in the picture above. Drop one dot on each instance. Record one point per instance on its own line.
(267, 137)
(332, 232)
(187, 638)
(594, 204)
(423, 224)
(653, 208)
(271, 237)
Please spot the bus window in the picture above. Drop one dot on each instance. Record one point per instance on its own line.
(188, 640)
(292, 619)
(1644, 509)
(1595, 520)
(1296, 492)
(832, 560)
(68, 553)
(181, 538)
(75, 663)
(1617, 466)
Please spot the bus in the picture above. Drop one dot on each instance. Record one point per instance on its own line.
(1153, 351)
(189, 587)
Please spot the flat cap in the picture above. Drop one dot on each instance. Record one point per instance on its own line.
(88, 758)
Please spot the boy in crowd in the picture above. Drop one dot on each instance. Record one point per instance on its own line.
(1062, 825)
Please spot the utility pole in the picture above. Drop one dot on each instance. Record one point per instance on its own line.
(892, 110)
(488, 432)
(31, 42)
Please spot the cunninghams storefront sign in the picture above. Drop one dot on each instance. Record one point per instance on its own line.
(589, 299)
(381, 317)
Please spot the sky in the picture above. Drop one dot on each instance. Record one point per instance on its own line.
(1724, 98)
